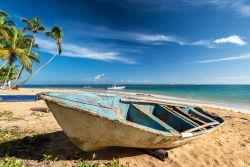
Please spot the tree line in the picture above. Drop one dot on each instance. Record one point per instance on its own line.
(18, 47)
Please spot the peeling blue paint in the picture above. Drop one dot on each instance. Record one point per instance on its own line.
(155, 117)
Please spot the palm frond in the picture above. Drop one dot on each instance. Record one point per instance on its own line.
(28, 22)
(35, 54)
(34, 25)
(56, 34)
(34, 59)
(10, 22)
(26, 29)
(4, 53)
(3, 13)
(25, 60)
(41, 28)
(35, 45)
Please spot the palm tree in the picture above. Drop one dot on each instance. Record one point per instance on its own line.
(16, 47)
(56, 34)
(5, 70)
(34, 25)
(4, 25)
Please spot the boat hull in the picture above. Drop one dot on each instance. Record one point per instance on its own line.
(91, 132)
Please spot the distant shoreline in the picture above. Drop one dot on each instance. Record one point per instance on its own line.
(145, 96)
(228, 96)
(176, 100)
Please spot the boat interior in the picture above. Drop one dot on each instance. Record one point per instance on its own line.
(175, 119)
(153, 114)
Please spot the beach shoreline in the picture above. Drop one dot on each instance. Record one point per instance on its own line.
(227, 146)
(165, 98)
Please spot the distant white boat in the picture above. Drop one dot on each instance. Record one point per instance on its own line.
(116, 87)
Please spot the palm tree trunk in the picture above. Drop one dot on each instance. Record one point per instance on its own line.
(18, 77)
(22, 68)
(33, 74)
(8, 75)
(3, 64)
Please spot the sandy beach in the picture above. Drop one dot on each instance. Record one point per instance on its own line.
(228, 146)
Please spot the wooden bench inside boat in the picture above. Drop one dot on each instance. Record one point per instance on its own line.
(170, 118)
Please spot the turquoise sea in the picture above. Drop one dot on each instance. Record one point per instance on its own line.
(234, 96)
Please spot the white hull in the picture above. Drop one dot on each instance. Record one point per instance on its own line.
(91, 132)
(93, 121)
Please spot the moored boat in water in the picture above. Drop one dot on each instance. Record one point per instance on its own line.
(93, 121)
(116, 87)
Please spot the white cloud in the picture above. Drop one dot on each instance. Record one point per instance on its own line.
(241, 57)
(240, 6)
(206, 43)
(99, 77)
(146, 38)
(156, 38)
(235, 39)
(72, 50)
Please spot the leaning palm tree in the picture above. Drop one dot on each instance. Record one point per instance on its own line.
(34, 25)
(16, 47)
(56, 34)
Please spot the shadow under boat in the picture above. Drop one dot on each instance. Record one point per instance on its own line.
(58, 144)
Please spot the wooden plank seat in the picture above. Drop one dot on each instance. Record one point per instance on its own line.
(179, 109)
(202, 126)
(184, 115)
(203, 115)
(163, 124)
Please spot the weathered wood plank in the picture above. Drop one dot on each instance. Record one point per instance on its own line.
(203, 115)
(183, 115)
(124, 100)
(202, 126)
(163, 124)
(188, 115)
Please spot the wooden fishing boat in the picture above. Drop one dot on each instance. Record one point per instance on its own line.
(93, 121)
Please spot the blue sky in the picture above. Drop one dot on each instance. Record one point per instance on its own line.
(142, 41)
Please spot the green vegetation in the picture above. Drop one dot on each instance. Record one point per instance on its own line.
(4, 72)
(113, 163)
(8, 135)
(11, 162)
(37, 114)
(116, 163)
(48, 157)
(6, 115)
(17, 46)
(13, 144)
